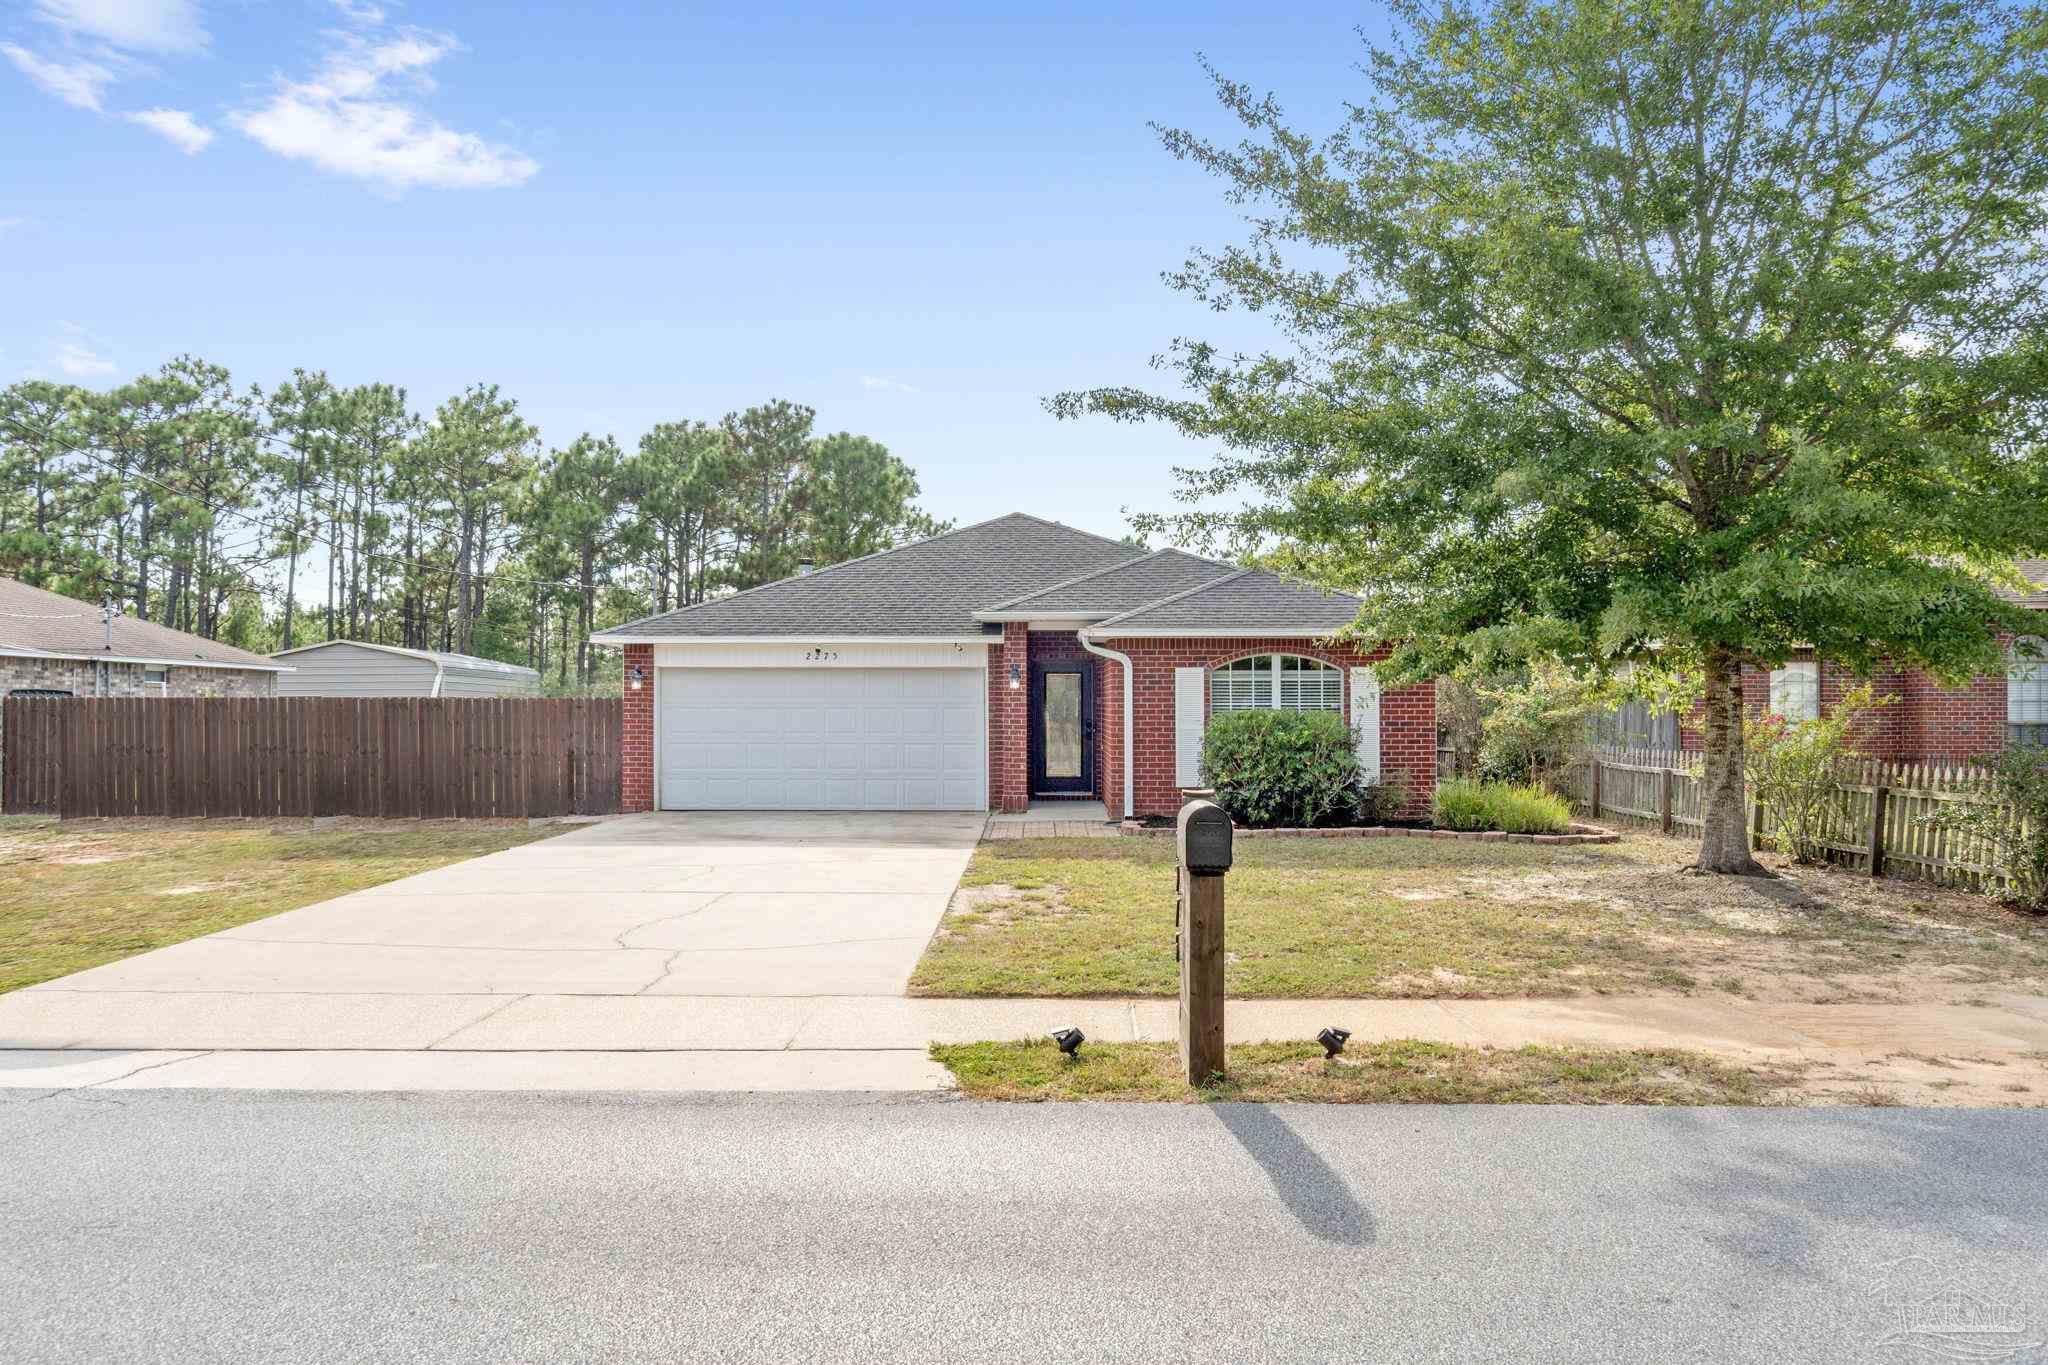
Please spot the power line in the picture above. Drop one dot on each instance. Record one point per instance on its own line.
(266, 523)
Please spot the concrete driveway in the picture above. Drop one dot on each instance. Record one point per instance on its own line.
(774, 907)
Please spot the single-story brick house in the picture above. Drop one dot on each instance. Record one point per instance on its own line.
(988, 667)
(56, 646)
(1926, 722)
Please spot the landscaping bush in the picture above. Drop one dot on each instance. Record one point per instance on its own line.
(2008, 821)
(1793, 772)
(1274, 769)
(1465, 804)
(1534, 727)
(1383, 802)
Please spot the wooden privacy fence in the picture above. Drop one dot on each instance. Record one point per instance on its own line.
(1877, 818)
(397, 757)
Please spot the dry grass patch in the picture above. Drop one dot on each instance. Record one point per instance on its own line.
(1403, 1071)
(78, 893)
(1393, 918)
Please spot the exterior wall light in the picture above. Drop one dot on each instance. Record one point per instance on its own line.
(1016, 677)
(635, 678)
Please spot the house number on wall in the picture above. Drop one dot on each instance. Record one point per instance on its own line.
(822, 656)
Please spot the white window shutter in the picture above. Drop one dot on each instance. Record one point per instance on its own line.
(1365, 721)
(1187, 727)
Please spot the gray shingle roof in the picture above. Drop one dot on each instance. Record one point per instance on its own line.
(2036, 572)
(1250, 601)
(1121, 587)
(930, 588)
(34, 621)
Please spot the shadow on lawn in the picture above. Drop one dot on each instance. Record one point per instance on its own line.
(1312, 1191)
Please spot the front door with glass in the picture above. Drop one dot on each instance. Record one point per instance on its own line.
(1062, 729)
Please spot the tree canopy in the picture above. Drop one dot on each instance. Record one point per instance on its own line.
(1623, 331)
(317, 511)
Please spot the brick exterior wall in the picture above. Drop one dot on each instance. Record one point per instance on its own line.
(636, 740)
(125, 680)
(1407, 716)
(1926, 723)
(1009, 721)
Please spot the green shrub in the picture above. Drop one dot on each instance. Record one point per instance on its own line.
(2008, 823)
(1282, 768)
(1534, 727)
(1793, 771)
(1465, 804)
(1384, 801)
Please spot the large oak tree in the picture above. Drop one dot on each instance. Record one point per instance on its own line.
(1615, 330)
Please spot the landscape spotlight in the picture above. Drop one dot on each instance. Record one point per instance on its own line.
(1070, 1040)
(1333, 1040)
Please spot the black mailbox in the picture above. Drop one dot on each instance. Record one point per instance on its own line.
(1204, 830)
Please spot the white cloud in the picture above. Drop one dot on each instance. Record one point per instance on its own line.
(80, 83)
(135, 25)
(6, 223)
(78, 361)
(875, 381)
(180, 128)
(367, 15)
(347, 119)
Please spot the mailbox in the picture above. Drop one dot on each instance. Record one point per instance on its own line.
(1204, 831)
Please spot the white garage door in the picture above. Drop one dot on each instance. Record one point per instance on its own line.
(822, 739)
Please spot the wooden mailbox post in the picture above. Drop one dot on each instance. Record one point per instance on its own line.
(1204, 840)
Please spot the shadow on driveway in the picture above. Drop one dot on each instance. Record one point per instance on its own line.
(1312, 1191)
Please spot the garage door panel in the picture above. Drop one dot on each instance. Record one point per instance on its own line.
(836, 739)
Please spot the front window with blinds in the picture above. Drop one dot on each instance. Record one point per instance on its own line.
(1795, 690)
(1283, 682)
(2026, 696)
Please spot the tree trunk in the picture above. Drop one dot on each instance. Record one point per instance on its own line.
(1724, 832)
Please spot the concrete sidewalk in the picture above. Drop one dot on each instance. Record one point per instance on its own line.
(600, 1042)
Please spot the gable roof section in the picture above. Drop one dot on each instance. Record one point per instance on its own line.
(35, 623)
(930, 589)
(2036, 573)
(1118, 588)
(1248, 602)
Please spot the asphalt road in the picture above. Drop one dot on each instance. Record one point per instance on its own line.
(457, 1227)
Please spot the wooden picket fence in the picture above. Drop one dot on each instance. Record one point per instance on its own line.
(1877, 824)
(394, 757)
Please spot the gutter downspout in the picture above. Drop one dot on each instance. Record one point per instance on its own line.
(1125, 757)
(440, 671)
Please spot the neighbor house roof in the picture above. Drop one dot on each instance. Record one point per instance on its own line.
(1248, 602)
(2036, 572)
(927, 590)
(439, 658)
(1120, 587)
(45, 625)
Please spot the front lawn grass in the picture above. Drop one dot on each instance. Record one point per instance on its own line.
(1419, 918)
(1403, 1071)
(78, 893)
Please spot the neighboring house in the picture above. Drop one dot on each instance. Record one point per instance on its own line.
(1926, 722)
(55, 646)
(351, 668)
(988, 667)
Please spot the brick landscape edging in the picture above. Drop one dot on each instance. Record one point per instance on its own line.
(1580, 834)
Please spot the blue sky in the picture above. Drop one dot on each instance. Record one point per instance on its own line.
(921, 222)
